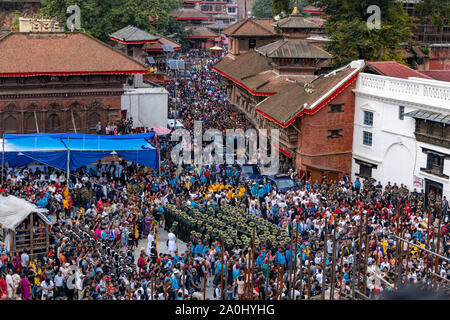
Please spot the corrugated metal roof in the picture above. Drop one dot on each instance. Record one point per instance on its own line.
(130, 33)
(430, 116)
(293, 48)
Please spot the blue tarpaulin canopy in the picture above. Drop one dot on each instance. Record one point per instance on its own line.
(54, 149)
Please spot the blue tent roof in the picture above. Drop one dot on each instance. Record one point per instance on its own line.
(51, 149)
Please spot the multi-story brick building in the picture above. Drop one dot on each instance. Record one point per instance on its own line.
(281, 80)
(60, 82)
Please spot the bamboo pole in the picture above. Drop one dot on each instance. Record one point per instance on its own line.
(184, 280)
(398, 234)
(366, 255)
(333, 260)
(278, 281)
(407, 261)
(152, 286)
(301, 272)
(428, 230)
(325, 253)
(165, 289)
(204, 286)
(291, 233)
(3, 156)
(31, 234)
(245, 279)
(360, 250)
(295, 263)
(309, 276)
(342, 273)
(221, 271)
(438, 246)
(354, 271)
(252, 257)
(400, 253)
(129, 290)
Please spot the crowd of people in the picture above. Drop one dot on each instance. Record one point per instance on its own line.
(102, 215)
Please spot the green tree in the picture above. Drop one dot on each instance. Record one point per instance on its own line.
(435, 11)
(279, 6)
(262, 9)
(351, 38)
(100, 18)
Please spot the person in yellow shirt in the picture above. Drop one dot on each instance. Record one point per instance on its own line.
(241, 192)
(66, 193)
(81, 213)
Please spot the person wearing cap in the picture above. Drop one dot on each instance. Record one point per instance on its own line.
(199, 248)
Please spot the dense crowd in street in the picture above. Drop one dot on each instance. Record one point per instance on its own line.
(102, 213)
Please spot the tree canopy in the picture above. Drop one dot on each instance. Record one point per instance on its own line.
(351, 38)
(435, 11)
(279, 6)
(100, 18)
(262, 9)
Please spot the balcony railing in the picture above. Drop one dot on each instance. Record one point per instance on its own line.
(415, 91)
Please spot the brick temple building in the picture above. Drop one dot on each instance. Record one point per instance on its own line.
(60, 82)
(281, 80)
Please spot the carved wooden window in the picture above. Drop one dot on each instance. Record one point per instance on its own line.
(54, 123)
(10, 124)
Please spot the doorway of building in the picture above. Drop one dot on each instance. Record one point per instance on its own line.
(432, 187)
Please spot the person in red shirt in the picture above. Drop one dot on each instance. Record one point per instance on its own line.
(3, 288)
(99, 205)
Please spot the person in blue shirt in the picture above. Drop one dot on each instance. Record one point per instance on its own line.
(203, 179)
(199, 248)
(254, 189)
(418, 235)
(174, 181)
(280, 256)
(3, 250)
(175, 281)
(357, 184)
(260, 260)
(176, 258)
(43, 202)
(219, 265)
(190, 247)
(288, 254)
(261, 193)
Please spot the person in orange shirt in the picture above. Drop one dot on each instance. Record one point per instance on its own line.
(67, 204)
(62, 259)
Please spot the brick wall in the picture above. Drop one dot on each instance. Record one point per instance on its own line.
(314, 146)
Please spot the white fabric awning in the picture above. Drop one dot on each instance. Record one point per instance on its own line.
(14, 210)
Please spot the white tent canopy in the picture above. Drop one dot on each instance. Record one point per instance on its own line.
(14, 210)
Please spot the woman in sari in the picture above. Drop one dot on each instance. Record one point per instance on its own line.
(25, 288)
(147, 223)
